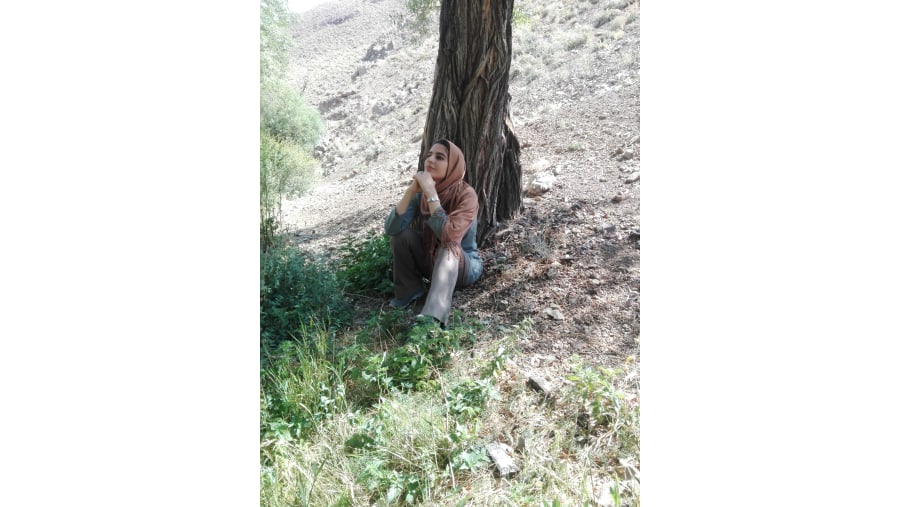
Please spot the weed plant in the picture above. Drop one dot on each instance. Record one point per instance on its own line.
(296, 292)
(366, 266)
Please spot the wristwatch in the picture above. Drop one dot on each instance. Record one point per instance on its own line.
(432, 199)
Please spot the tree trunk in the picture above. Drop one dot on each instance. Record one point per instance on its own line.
(470, 104)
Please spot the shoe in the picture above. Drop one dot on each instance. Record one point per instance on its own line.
(397, 303)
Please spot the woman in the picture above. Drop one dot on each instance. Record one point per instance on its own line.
(432, 232)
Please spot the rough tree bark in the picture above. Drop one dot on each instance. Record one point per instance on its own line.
(470, 104)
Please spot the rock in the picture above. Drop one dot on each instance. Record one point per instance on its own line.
(634, 177)
(540, 165)
(619, 197)
(505, 466)
(360, 70)
(539, 384)
(627, 154)
(540, 184)
(605, 228)
(382, 108)
(554, 313)
(553, 271)
(375, 52)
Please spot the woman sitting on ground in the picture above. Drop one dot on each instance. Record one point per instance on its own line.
(432, 232)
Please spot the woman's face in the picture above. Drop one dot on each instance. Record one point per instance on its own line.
(436, 162)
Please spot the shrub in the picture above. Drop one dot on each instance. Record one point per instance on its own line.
(284, 170)
(366, 266)
(295, 291)
(576, 42)
(286, 116)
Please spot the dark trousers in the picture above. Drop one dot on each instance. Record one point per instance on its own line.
(411, 264)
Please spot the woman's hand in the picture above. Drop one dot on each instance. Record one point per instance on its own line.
(425, 183)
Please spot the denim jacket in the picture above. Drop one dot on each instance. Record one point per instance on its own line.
(394, 224)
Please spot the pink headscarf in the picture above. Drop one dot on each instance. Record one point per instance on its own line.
(459, 201)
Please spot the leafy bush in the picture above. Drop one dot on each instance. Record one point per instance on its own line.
(295, 290)
(284, 170)
(287, 117)
(367, 266)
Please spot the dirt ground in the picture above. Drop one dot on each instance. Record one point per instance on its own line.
(570, 261)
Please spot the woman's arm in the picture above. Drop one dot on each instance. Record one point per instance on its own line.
(411, 191)
(402, 214)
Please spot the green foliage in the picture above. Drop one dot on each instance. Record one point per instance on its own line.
(289, 128)
(285, 114)
(284, 170)
(384, 325)
(505, 347)
(608, 408)
(469, 459)
(394, 486)
(296, 291)
(520, 16)
(301, 387)
(427, 349)
(420, 17)
(466, 401)
(274, 40)
(366, 266)
(412, 366)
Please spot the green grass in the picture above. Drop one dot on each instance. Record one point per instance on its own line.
(414, 429)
